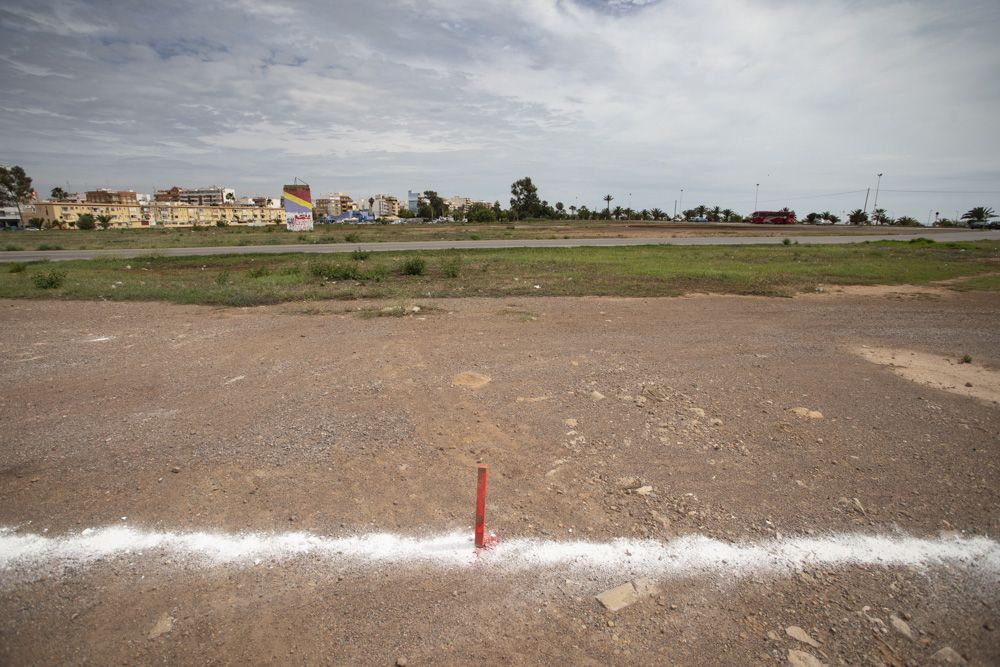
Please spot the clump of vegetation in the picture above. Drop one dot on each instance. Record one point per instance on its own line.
(17, 267)
(967, 359)
(259, 272)
(352, 238)
(48, 246)
(475, 237)
(11, 247)
(786, 242)
(414, 266)
(85, 221)
(49, 280)
(360, 255)
(333, 271)
(222, 278)
(451, 267)
(921, 240)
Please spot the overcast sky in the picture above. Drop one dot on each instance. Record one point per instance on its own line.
(638, 99)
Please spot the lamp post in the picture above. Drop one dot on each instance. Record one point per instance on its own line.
(681, 206)
(756, 191)
(875, 205)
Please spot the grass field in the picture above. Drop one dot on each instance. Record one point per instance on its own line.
(74, 239)
(246, 280)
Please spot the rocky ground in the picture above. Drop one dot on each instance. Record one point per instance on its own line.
(737, 418)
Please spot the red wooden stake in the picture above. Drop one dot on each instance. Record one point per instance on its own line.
(481, 507)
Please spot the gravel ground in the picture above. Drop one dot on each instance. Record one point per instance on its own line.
(313, 418)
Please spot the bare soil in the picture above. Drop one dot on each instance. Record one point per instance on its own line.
(285, 418)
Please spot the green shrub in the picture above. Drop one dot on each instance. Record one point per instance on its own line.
(222, 279)
(46, 246)
(786, 242)
(11, 247)
(221, 223)
(49, 280)
(414, 266)
(967, 359)
(333, 271)
(360, 255)
(259, 272)
(17, 267)
(451, 266)
(85, 221)
(352, 238)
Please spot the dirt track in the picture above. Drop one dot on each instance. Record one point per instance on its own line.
(295, 418)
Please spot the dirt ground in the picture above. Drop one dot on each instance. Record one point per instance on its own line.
(315, 419)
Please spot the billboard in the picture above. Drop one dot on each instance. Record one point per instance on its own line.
(297, 203)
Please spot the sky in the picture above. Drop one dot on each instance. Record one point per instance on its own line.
(634, 98)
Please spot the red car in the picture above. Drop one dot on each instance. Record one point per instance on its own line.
(773, 217)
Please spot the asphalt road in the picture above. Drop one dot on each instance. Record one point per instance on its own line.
(62, 255)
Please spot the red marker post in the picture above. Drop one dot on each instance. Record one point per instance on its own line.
(481, 507)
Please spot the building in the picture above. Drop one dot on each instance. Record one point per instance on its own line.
(384, 206)
(333, 205)
(263, 202)
(210, 196)
(105, 196)
(166, 214)
(413, 201)
(173, 194)
(9, 217)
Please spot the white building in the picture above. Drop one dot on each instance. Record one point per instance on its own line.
(384, 206)
(210, 196)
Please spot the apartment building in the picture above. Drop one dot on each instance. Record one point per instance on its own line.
(104, 196)
(385, 206)
(332, 205)
(167, 214)
(210, 196)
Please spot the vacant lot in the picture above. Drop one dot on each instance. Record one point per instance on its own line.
(73, 239)
(310, 418)
(246, 280)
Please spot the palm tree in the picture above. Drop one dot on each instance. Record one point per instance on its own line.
(979, 214)
(628, 213)
(858, 217)
(572, 211)
(657, 214)
(104, 220)
(880, 217)
(618, 212)
(607, 209)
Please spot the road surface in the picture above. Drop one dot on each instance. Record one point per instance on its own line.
(61, 255)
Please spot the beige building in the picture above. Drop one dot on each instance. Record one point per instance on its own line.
(62, 214)
(333, 205)
(385, 206)
(104, 196)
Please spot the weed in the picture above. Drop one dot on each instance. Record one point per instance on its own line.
(786, 242)
(921, 240)
(49, 280)
(259, 272)
(352, 238)
(17, 267)
(451, 266)
(967, 359)
(289, 271)
(475, 237)
(48, 246)
(360, 255)
(222, 279)
(12, 248)
(414, 266)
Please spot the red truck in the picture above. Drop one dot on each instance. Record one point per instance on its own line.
(785, 217)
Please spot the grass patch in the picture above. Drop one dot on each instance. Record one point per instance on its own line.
(352, 238)
(17, 267)
(640, 271)
(49, 246)
(52, 279)
(10, 247)
(399, 310)
(360, 255)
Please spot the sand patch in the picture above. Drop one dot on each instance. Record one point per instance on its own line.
(470, 380)
(938, 372)
(885, 291)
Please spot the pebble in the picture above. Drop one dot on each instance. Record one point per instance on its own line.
(401, 662)
(948, 656)
(798, 634)
(901, 626)
(803, 659)
(596, 395)
(175, 470)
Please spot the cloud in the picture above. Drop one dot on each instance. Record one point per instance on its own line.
(640, 98)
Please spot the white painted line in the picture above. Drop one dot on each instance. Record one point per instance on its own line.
(23, 555)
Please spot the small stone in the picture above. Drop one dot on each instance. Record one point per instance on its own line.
(797, 633)
(596, 395)
(175, 470)
(715, 422)
(571, 423)
(644, 490)
(968, 384)
(901, 626)
(948, 656)
(619, 597)
(803, 659)
(698, 412)
(401, 662)
(806, 412)
(163, 625)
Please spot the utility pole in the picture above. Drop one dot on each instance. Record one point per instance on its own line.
(675, 208)
(877, 184)
(681, 204)
(756, 192)
(865, 209)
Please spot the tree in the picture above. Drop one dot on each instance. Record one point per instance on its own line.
(583, 213)
(657, 214)
(15, 188)
(371, 203)
(618, 212)
(559, 209)
(880, 217)
(230, 196)
(572, 211)
(524, 201)
(979, 214)
(905, 221)
(434, 204)
(727, 214)
(715, 214)
(607, 210)
(36, 223)
(858, 217)
(59, 194)
(481, 213)
(103, 220)
(85, 221)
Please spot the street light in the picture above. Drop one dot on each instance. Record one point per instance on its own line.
(875, 205)
(756, 191)
(681, 204)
